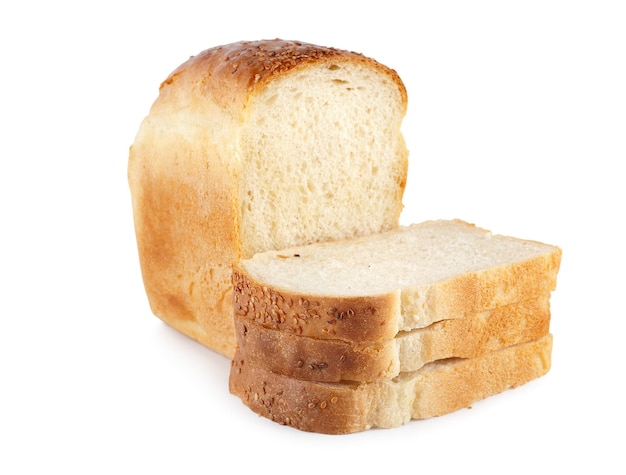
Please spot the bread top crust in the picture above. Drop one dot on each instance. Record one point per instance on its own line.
(231, 73)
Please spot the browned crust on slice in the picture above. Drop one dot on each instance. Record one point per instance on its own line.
(334, 360)
(491, 288)
(438, 388)
(362, 319)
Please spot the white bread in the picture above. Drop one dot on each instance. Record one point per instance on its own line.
(436, 389)
(334, 360)
(370, 288)
(254, 146)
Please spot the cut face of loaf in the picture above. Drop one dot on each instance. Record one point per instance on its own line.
(254, 146)
(436, 389)
(334, 360)
(370, 288)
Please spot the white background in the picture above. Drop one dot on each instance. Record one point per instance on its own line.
(516, 122)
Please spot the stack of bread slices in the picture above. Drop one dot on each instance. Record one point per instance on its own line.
(375, 331)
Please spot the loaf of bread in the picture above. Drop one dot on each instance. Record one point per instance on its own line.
(370, 288)
(438, 388)
(255, 146)
(355, 322)
(335, 360)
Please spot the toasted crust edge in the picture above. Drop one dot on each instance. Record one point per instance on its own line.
(361, 319)
(315, 359)
(437, 389)
(482, 290)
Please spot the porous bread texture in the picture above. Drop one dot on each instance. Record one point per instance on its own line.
(328, 169)
(439, 388)
(254, 146)
(334, 360)
(369, 288)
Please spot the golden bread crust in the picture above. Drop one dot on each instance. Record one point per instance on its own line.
(334, 360)
(437, 389)
(231, 73)
(478, 291)
(361, 319)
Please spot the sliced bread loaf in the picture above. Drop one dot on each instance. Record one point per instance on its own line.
(436, 389)
(317, 359)
(254, 146)
(370, 288)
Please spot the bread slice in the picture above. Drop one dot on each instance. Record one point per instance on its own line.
(370, 288)
(436, 389)
(334, 360)
(253, 146)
